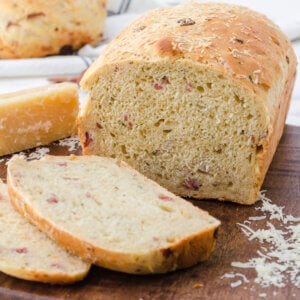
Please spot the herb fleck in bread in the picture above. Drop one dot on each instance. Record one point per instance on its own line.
(109, 214)
(27, 253)
(194, 97)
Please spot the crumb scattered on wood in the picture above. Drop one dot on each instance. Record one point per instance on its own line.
(197, 285)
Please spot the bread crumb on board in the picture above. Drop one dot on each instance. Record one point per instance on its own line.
(197, 285)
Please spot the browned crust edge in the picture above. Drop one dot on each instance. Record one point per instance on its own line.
(276, 131)
(56, 278)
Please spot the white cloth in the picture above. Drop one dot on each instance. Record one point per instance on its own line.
(25, 73)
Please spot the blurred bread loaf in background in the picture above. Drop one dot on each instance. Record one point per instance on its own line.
(39, 28)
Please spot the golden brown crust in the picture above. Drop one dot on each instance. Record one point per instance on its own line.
(81, 134)
(35, 28)
(57, 278)
(184, 253)
(276, 131)
(233, 39)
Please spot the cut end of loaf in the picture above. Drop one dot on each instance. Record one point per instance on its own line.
(189, 128)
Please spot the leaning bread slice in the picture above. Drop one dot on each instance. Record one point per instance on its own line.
(27, 253)
(109, 214)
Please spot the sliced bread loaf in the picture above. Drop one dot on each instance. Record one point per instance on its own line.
(109, 214)
(27, 253)
(194, 97)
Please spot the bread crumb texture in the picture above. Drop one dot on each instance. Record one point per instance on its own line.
(109, 214)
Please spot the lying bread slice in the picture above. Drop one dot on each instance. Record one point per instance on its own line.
(27, 253)
(109, 214)
(194, 97)
(36, 117)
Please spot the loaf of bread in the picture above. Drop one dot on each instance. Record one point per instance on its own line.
(194, 97)
(109, 214)
(27, 253)
(39, 28)
(38, 116)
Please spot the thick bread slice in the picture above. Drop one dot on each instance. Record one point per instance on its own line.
(27, 253)
(194, 97)
(38, 116)
(109, 214)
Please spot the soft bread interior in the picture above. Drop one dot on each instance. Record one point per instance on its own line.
(189, 128)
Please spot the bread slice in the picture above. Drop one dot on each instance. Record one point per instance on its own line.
(38, 116)
(27, 253)
(109, 214)
(194, 97)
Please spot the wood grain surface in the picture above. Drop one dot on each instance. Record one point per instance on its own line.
(283, 187)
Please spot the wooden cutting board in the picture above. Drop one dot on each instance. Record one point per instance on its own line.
(204, 280)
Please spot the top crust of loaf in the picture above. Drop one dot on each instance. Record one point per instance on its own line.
(234, 40)
(39, 28)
